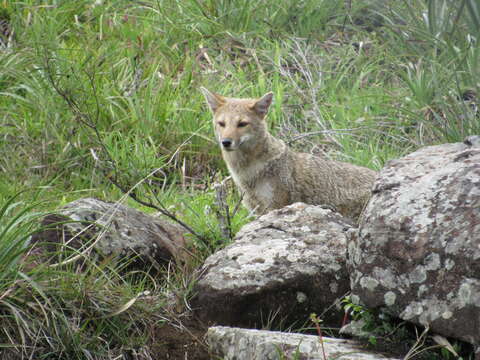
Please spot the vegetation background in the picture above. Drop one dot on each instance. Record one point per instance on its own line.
(100, 98)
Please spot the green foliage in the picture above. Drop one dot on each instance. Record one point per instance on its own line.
(387, 332)
(17, 223)
(132, 72)
(61, 311)
(439, 46)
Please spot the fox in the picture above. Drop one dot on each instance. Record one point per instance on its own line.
(269, 174)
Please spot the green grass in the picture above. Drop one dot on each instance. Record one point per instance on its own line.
(94, 91)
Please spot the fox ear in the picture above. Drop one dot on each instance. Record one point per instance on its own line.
(262, 105)
(213, 100)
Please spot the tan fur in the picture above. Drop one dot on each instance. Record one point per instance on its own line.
(271, 175)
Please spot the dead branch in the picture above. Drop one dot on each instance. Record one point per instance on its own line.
(86, 119)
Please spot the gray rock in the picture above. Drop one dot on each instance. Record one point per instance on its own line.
(290, 262)
(355, 328)
(473, 140)
(111, 229)
(417, 251)
(246, 344)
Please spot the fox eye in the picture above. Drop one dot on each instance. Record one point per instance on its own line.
(242, 124)
(221, 124)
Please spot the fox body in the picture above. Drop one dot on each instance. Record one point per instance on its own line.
(271, 175)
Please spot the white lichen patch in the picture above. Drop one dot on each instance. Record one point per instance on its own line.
(412, 310)
(431, 308)
(403, 283)
(305, 228)
(432, 262)
(386, 277)
(335, 267)
(317, 211)
(447, 314)
(469, 293)
(389, 298)
(434, 309)
(418, 275)
(465, 293)
(369, 283)
(355, 299)
(333, 287)
(453, 247)
(449, 264)
(301, 297)
(422, 289)
(368, 258)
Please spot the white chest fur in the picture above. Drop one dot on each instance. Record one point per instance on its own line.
(251, 179)
(248, 175)
(264, 191)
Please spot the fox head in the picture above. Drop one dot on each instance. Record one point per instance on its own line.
(239, 123)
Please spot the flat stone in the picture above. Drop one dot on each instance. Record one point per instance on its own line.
(247, 344)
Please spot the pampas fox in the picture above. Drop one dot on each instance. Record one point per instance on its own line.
(269, 174)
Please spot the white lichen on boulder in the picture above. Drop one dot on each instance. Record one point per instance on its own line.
(272, 260)
(418, 244)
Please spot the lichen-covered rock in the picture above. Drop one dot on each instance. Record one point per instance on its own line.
(107, 229)
(417, 251)
(246, 344)
(282, 266)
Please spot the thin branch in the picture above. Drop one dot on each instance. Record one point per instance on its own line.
(130, 192)
(223, 210)
(90, 123)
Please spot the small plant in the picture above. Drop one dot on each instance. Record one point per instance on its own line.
(317, 321)
(385, 331)
(284, 355)
(367, 317)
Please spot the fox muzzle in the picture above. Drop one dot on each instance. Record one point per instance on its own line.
(227, 143)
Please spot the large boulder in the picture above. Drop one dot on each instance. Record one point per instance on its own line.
(92, 226)
(246, 344)
(417, 252)
(282, 266)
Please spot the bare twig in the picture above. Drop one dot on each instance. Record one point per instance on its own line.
(160, 208)
(312, 73)
(223, 210)
(348, 8)
(316, 320)
(90, 122)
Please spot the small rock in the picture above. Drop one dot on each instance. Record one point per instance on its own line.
(110, 229)
(473, 140)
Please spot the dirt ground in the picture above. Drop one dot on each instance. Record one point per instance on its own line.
(173, 343)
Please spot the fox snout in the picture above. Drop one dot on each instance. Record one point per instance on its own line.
(227, 143)
(233, 143)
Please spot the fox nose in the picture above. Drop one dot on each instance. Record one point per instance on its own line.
(227, 143)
